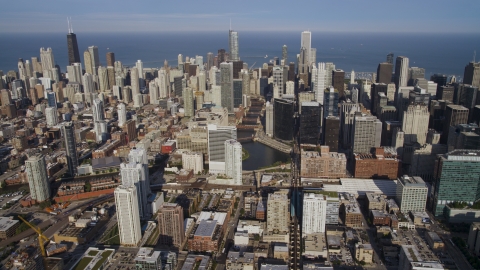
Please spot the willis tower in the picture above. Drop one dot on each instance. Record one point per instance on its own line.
(73, 54)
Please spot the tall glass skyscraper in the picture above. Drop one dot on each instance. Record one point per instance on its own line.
(233, 45)
(457, 178)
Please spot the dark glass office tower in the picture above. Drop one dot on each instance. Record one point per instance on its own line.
(73, 54)
(390, 58)
(471, 74)
(221, 56)
(338, 81)
(331, 132)
(310, 121)
(283, 119)
(384, 73)
(68, 133)
(237, 93)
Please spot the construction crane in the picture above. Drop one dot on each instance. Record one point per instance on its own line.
(41, 238)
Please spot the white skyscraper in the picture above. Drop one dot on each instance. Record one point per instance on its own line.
(306, 42)
(415, 123)
(226, 83)
(122, 114)
(103, 79)
(98, 110)
(180, 59)
(217, 135)
(193, 161)
(139, 156)
(233, 161)
(278, 81)
(134, 81)
(139, 66)
(401, 71)
(162, 82)
(352, 77)
(329, 68)
(269, 119)
(233, 45)
(314, 213)
(94, 59)
(133, 174)
(88, 87)
(47, 60)
(153, 91)
(318, 80)
(36, 170)
(75, 73)
(51, 116)
(128, 215)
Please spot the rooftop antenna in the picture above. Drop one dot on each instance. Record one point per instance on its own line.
(71, 26)
(474, 54)
(230, 24)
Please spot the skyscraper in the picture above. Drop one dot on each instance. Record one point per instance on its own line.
(233, 161)
(133, 174)
(390, 58)
(454, 115)
(217, 135)
(226, 82)
(221, 56)
(48, 62)
(139, 66)
(103, 82)
(73, 53)
(310, 123)
(269, 119)
(330, 103)
(367, 133)
(284, 54)
(110, 59)
(338, 82)
(314, 213)
(278, 81)
(283, 119)
(456, 178)
(415, 123)
(87, 61)
(170, 224)
(36, 170)
(306, 42)
(94, 58)
(411, 194)
(68, 134)
(128, 216)
(384, 73)
(51, 116)
(188, 102)
(122, 114)
(233, 45)
(401, 71)
(472, 74)
(278, 216)
(134, 81)
(210, 61)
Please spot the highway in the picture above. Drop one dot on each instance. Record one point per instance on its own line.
(57, 221)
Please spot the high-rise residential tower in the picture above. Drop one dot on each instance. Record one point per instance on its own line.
(415, 123)
(401, 71)
(217, 135)
(36, 170)
(170, 224)
(68, 134)
(233, 161)
(226, 83)
(128, 216)
(110, 59)
(94, 58)
(367, 133)
(314, 213)
(278, 216)
(122, 114)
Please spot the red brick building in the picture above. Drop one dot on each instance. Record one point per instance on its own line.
(384, 163)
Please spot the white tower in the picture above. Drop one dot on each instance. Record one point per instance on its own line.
(134, 81)
(314, 213)
(132, 174)
(139, 66)
(36, 170)
(128, 217)
(352, 77)
(122, 114)
(233, 161)
(51, 116)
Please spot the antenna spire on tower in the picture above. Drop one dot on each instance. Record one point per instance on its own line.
(71, 26)
(230, 24)
(474, 55)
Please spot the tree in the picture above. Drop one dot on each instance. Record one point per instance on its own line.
(88, 187)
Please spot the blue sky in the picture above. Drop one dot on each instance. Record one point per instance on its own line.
(246, 15)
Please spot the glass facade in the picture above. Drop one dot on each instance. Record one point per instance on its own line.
(310, 120)
(283, 119)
